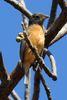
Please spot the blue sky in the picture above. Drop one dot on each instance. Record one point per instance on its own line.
(10, 25)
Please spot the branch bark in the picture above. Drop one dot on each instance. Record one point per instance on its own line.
(36, 86)
(27, 76)
(53, 12)
(55, 27)
(48, 92)
(15, 95)
(60, 34)
(5, 77)
(15, 77)
(62, 4)
(3, 73)
(52, 60)
(19, 7)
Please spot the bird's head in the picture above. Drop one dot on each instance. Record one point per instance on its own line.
(37, 19)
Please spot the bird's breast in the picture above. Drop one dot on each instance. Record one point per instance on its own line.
(36, 36)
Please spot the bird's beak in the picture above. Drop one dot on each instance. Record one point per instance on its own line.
(46, 16)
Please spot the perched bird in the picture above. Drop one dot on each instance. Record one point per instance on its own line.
(36, 36)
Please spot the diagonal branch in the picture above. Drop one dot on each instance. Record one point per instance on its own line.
(5, 77)
(15, 95)
(37, 89)
(60, 34)
(19, 7)
(3, 73)
(15, 77)
(48, 92)
(55, 27)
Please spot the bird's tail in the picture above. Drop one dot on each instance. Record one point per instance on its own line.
(26, 78)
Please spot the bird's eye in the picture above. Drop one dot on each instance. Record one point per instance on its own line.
(36, 17)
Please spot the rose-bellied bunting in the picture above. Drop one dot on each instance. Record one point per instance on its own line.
(36, 34)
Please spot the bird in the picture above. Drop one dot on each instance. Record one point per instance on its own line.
(36, 35)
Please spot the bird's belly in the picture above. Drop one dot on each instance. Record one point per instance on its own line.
(29, 55)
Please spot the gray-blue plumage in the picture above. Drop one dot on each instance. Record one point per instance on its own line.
(22, 49)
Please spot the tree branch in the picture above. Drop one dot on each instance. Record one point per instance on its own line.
(3, 73)
(36, 86)
(27, 76)
(55, 27)
(15, 95)
(53, 12)
(62, 4)
(52, 60)
(4, 76)
(19, 7)
(60, 34)
(15, 77)
(48, 92)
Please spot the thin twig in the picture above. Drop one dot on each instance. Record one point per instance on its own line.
(48, 92)
(9, 98)
(27, 76)
(36, 90)
(15, 95)
(37, 83)
(53, 12)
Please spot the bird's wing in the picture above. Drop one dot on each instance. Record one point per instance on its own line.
(22, 49)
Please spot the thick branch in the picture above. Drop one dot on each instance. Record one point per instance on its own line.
(60, 34)
(3, 72)
(19, 7)
(55, 27)
(4, 76)
(15, 77)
